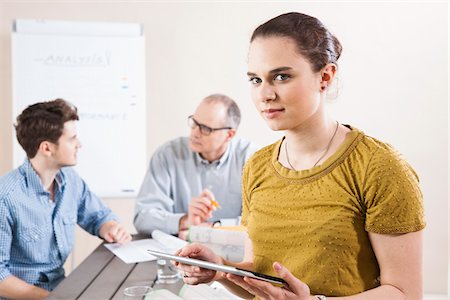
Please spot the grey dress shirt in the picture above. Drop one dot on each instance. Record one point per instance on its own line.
(176, 174)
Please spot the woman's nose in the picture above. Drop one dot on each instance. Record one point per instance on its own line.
(267, 93)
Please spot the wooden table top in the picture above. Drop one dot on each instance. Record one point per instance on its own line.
(103, 276)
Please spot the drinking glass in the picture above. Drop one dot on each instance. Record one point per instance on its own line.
(137, 292)
(167, 273)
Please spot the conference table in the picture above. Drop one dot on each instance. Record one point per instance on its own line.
(103, 276)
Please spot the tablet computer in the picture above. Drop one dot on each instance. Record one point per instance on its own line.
(217, 267)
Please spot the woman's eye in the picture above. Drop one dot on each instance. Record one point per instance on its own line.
(254, 80)
(281, 77)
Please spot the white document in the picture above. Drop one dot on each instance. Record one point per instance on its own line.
(209, 235)
(229, 244)
(214, 291)
(162, 295)
(206, 292)
(136, 251)
(228, 252)
(169, 242)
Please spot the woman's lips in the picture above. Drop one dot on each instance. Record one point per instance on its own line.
(272, 112)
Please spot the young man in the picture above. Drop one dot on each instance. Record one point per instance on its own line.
(184, 173)
(42, 200)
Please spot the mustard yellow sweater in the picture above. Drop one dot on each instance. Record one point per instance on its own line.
(316, 221)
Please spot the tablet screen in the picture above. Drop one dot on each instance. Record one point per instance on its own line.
(217, 267)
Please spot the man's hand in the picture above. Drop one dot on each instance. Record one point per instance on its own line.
(201, 208)
(114, 232)
(15, 288)
(183, 234)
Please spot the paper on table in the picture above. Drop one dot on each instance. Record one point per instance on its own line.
(206, 292)
(221, 290)
(195, 292)
(169, 242)
(162, 295)
(136, 251)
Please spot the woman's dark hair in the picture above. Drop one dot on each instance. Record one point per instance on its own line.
(313, 40)
(43, 121)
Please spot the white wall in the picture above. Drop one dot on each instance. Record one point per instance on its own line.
(393, 78)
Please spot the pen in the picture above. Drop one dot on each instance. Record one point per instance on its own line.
(213, 201)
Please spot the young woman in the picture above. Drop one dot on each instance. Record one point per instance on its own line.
(329, 209)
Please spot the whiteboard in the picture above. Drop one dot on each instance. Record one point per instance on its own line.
(100, 68)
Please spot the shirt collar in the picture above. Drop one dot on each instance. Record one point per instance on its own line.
(60, 180)
(216, 163)
(33, 180)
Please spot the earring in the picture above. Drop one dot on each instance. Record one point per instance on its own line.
(323, 87)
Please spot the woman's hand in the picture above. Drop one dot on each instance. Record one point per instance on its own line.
(295, 289)
(193, 274)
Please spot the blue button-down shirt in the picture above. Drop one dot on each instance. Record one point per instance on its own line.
(176, 174)
(36, 234)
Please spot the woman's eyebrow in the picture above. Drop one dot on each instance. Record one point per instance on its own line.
(280, 69)
(276, 70)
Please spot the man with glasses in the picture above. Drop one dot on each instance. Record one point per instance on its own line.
(197, 179)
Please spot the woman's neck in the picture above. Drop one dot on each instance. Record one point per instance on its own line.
(311, 144)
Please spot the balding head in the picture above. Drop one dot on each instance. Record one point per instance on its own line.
(233, 111)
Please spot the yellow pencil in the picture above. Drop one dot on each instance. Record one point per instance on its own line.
(215, 203)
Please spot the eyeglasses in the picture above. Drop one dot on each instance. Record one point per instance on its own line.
(205, 130)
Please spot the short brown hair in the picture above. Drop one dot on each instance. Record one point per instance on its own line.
(43, 121)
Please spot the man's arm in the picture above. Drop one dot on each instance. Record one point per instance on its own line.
(97, 219)
(92, 212)
(15, 288)
(12, 287)
(154, 205)
(114, 232)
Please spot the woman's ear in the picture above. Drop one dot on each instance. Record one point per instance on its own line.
(328, 73)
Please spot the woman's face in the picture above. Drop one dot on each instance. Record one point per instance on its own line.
(284, 88)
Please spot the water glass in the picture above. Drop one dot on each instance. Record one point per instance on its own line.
(167, 273)
(138, 292)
